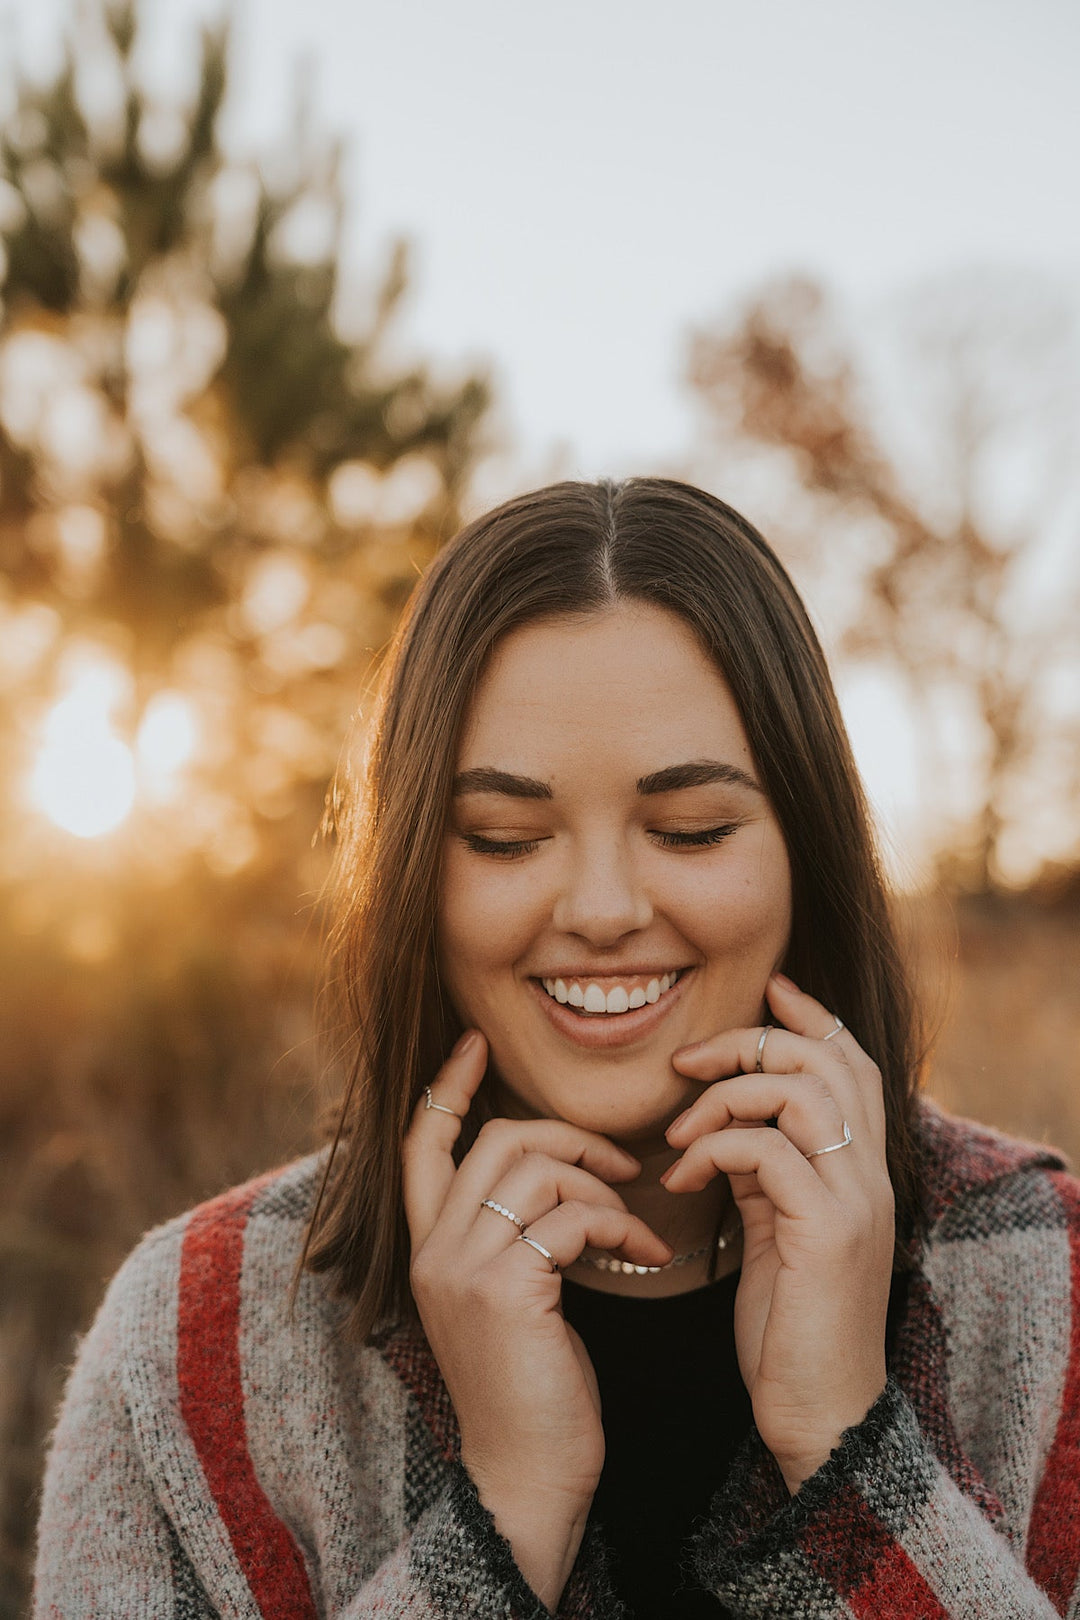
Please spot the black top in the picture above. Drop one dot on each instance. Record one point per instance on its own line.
(675, 1410)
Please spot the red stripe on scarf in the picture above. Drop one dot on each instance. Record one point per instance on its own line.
(1053, 1555)
(212, 1404)
(896, 1588)
(857, 1555)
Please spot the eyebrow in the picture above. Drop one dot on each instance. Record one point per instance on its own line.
(483, 779)
(694, 773)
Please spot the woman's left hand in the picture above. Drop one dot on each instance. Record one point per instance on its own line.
(817, 1232)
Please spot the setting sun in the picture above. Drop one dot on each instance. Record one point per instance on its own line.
(84, 775)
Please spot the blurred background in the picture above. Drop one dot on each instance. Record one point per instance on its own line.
(286, 295)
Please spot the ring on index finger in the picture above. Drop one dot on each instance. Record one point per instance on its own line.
(836, 1030)
(762, 1038)
(438, 1107)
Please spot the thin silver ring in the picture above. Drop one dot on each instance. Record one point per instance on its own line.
(834, 1147)
(501, 1209)
(539, 1247)
(762, 1038)
(836, 1031)
(438, 1107)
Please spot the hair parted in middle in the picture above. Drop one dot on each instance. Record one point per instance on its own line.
(576, 549)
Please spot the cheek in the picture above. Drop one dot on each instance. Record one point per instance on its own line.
(486, 920)
(746, 909)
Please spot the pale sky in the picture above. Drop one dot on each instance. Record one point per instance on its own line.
(585, 181)
(586, 178)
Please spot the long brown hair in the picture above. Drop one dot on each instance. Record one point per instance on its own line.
(575, 548)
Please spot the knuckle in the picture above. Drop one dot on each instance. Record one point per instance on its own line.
(814, 1084)
(481, 1290)
(422, 1273)
(538, 1164)
(778, 1146)
(496, 1131)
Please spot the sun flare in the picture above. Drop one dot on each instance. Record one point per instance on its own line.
(84, 775)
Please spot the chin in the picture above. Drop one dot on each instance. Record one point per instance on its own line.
(630, 1127)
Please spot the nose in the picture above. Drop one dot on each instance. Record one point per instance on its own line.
(601, 897)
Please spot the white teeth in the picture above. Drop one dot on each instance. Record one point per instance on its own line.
(619, 1000)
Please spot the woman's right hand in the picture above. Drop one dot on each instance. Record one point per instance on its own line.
(521, 1382)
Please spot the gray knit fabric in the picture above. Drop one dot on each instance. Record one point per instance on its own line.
(217, 1456)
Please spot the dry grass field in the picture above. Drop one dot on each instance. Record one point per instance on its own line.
(123, 1102)
(1001, 978)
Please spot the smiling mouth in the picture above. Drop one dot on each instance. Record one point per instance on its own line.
(591, 1000)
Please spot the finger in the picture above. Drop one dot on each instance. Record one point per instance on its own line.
(740, 1051)
(736, 1052)
(855, 1081)
(801, 1013)
(535, 1185)
(428, 1155)
(803, 1107)
(788, 1180)
(566, 1232)
(503, 1143)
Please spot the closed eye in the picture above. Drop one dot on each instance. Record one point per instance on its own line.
(513, 848)
(506, 848)
(696, 840)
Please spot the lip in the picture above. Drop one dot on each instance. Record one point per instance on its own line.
(614, 975)
(617, 1029)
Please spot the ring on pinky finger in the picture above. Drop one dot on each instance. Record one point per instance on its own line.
(539, 1247)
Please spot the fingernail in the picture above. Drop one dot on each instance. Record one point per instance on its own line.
(685, 1051)
(465, 1043)
(675, 1122)
(785, 983)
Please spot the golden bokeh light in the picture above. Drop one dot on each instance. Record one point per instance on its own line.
(167, 737)
(83, 778)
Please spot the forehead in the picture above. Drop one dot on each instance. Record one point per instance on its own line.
(632, 678)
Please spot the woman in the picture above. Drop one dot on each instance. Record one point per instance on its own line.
(638, 1276)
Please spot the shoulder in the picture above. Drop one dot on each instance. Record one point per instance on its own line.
(978, 1181)
(195, 1265)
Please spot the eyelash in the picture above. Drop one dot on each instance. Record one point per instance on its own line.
(511, 849)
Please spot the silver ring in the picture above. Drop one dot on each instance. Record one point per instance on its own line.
(501, 1209)
(762, 1038)
(539, 1247)
(836, 1031)
(834, 1147)
(438, 1107)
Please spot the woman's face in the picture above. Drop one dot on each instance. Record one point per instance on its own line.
(614, 881)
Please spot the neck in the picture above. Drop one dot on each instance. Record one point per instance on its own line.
(688, 1221)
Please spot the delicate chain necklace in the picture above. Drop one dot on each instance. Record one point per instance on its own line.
(607, 1262)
